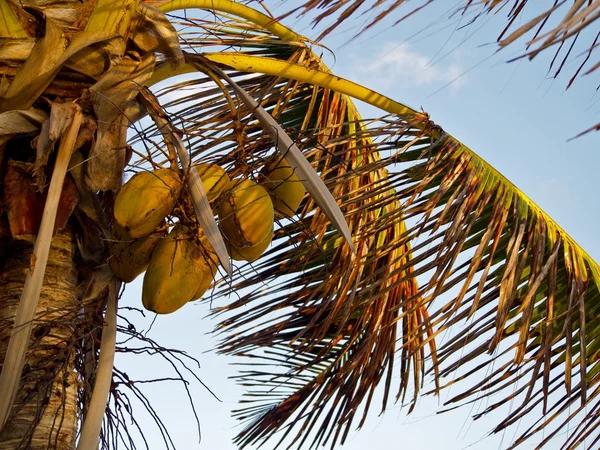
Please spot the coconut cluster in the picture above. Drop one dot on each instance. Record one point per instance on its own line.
(180, 265)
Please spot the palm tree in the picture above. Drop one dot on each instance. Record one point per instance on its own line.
(416, 202)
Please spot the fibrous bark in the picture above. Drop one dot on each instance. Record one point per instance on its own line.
(45, 412)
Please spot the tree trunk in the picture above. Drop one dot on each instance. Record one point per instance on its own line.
(46, 409)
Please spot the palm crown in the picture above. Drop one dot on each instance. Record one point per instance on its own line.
(416, 202)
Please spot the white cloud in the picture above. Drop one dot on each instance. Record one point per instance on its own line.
(399, 64)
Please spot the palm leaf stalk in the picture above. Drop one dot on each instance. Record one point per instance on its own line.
(90, 430)
(417, 202)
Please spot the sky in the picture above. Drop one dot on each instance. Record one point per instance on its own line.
(512, 114)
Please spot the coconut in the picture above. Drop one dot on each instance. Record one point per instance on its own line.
(246, 213)
(214, 180)
(130, 257)
(212, 261)
(177, 270)
(250, 253)
(145, 200)
(284, 186)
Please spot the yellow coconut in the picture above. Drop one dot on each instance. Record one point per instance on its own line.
(214, 180)
(145, 200)
(284, 186)
(130, 257)
(250, 253)
(246, 213)
(177, 270)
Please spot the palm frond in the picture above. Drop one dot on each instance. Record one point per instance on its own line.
(553, 24)
(497, 269)
(328, 321)
(205, 115)
(234, 9)
(565, 28)
(322, 327)
(521, 289)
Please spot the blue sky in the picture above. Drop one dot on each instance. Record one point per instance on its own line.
(512, 115)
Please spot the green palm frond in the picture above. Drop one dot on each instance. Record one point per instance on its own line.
(321, 327)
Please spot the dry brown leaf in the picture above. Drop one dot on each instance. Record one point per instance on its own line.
(89, 202)
(106, 160)
(25, 205)
(156, 33)
(13, 51)
(43, 63)
(97, 59)
(13, 123)
(120, 85)
(4, 85)
(112, 95)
